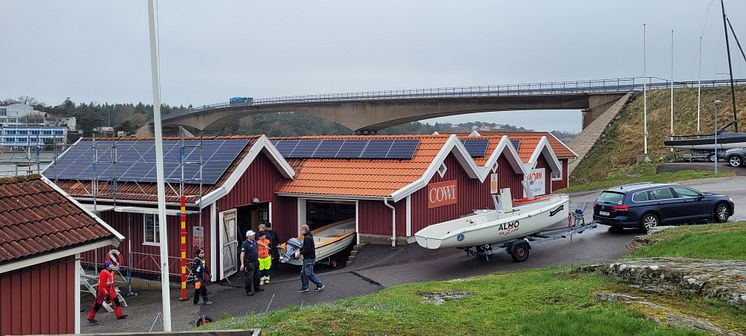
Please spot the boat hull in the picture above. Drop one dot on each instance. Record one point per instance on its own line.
(495, 226)
(726, 140)
(331, 240)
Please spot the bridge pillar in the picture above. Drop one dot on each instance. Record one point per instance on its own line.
(597, 105)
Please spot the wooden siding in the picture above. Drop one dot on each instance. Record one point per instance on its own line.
(39, 299)
(559, 184)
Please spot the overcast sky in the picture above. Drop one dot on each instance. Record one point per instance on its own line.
(97, 51)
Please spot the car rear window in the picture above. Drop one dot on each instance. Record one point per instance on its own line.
(610, 197)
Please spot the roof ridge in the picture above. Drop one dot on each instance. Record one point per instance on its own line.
(19, 179)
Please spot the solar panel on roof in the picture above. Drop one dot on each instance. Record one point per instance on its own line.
(328, 149)
(135, 161)
(377, 149)
(351, 149)
(305, 149)
(403, 149)
(516, 143)
(476, 147)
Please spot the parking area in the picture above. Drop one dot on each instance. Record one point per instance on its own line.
(378, 266)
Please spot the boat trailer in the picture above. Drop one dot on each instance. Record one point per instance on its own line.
(519, 248)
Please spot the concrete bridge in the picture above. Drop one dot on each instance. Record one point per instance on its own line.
(368, 112)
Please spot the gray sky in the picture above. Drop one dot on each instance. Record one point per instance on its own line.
(211, 50)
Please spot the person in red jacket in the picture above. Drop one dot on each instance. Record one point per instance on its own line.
(106, 289)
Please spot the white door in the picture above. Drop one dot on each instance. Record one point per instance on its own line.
(228, 244)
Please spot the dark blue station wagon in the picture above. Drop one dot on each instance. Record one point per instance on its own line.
(647, 205)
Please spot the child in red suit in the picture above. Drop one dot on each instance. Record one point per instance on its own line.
(106, 289)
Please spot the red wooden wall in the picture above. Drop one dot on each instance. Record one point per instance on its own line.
(559, 184)
(39, 299)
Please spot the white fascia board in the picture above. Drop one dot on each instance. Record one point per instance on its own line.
(511, 155)
(452, 145)
(330, 197)
(118, 236)
(544, 147)
(62, 154)
(262, 143)
(46, 257)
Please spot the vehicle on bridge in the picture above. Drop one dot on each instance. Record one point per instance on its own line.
(240, 101)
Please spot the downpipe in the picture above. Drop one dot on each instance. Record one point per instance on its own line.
(393, 221)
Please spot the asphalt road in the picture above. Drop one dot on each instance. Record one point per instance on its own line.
(377, 267)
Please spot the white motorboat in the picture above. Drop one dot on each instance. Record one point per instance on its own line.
(329, 240)
(495, 226)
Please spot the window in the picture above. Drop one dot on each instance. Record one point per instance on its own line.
(23, 132)
(58, 132)
(640, 196)
(10, 139)
(3, 111)
(10, 132)
(152, 233)
(610, 197)
(46, 132)
(34, 132)
(683, 192)
(442, 169)
(661, 194)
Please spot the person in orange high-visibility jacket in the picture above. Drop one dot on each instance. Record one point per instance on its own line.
(265, 258)
(106, 289)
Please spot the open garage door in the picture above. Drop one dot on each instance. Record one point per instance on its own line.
(320, 213)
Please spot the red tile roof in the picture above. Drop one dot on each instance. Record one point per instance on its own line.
(362, 177)
(532, 139)
(36, 219)
(132, 191)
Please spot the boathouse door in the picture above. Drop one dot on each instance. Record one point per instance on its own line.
(228, 244)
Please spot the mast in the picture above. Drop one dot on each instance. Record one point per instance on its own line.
(730, 68)
(699, 84)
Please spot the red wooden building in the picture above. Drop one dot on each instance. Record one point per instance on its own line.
(392, 199)
(43, 232)
(242, 197)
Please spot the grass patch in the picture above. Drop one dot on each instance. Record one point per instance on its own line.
(621, 178)
(534, 302)
(713, 241)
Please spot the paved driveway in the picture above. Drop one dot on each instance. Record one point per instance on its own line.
(377, 267)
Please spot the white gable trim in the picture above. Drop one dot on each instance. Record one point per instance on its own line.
(564, 145)
(452, 145)
(511, 155)
(544, 147)
(261, 144)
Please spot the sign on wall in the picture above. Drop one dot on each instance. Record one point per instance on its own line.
(442, 193)
(198, 236)
(537, 181)
(493, 184)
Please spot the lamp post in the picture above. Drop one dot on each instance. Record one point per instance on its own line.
(715, 116)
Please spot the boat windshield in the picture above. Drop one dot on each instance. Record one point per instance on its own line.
(610, 197)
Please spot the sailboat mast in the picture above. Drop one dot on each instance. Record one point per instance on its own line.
(730, 68)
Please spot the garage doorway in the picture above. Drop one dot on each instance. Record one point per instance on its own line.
(251, 216)
(320, 213)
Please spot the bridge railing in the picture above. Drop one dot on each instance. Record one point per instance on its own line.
(612, 85)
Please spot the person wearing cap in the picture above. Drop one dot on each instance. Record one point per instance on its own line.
(308, 251)
(250, 264)
(106, 289)
(200, 271)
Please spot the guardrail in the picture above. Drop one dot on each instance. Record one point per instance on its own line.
(551, 88)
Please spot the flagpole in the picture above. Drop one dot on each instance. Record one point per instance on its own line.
(644, 96)
(163, 239)
(699, 84)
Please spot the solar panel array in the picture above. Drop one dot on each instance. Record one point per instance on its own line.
(135, 160)
(476, 147)
(515, 143)
(398, 149)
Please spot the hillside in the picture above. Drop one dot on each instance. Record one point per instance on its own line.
(622, 143)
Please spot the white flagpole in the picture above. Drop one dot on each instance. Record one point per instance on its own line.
(163, 240)
(699, 84)
(672, 133)
(644, 95)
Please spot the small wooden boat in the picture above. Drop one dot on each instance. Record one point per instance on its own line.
(521, 219)
(329, 240)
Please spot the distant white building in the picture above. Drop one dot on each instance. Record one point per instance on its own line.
(22, 126)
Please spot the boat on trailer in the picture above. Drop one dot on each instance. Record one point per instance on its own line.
(725, 140)
(329, 240)
(511, 227)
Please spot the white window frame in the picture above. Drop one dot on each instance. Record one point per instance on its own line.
(557, 178)
(442, 170)
(156, 234)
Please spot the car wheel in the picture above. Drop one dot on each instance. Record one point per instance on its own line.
(648, 222)
(711, 157)
(735, 161)
(722, 213)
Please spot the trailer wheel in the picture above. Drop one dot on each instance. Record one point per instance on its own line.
(519, 251)
(333, 263)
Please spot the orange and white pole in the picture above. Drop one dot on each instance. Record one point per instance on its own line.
(183, 249)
